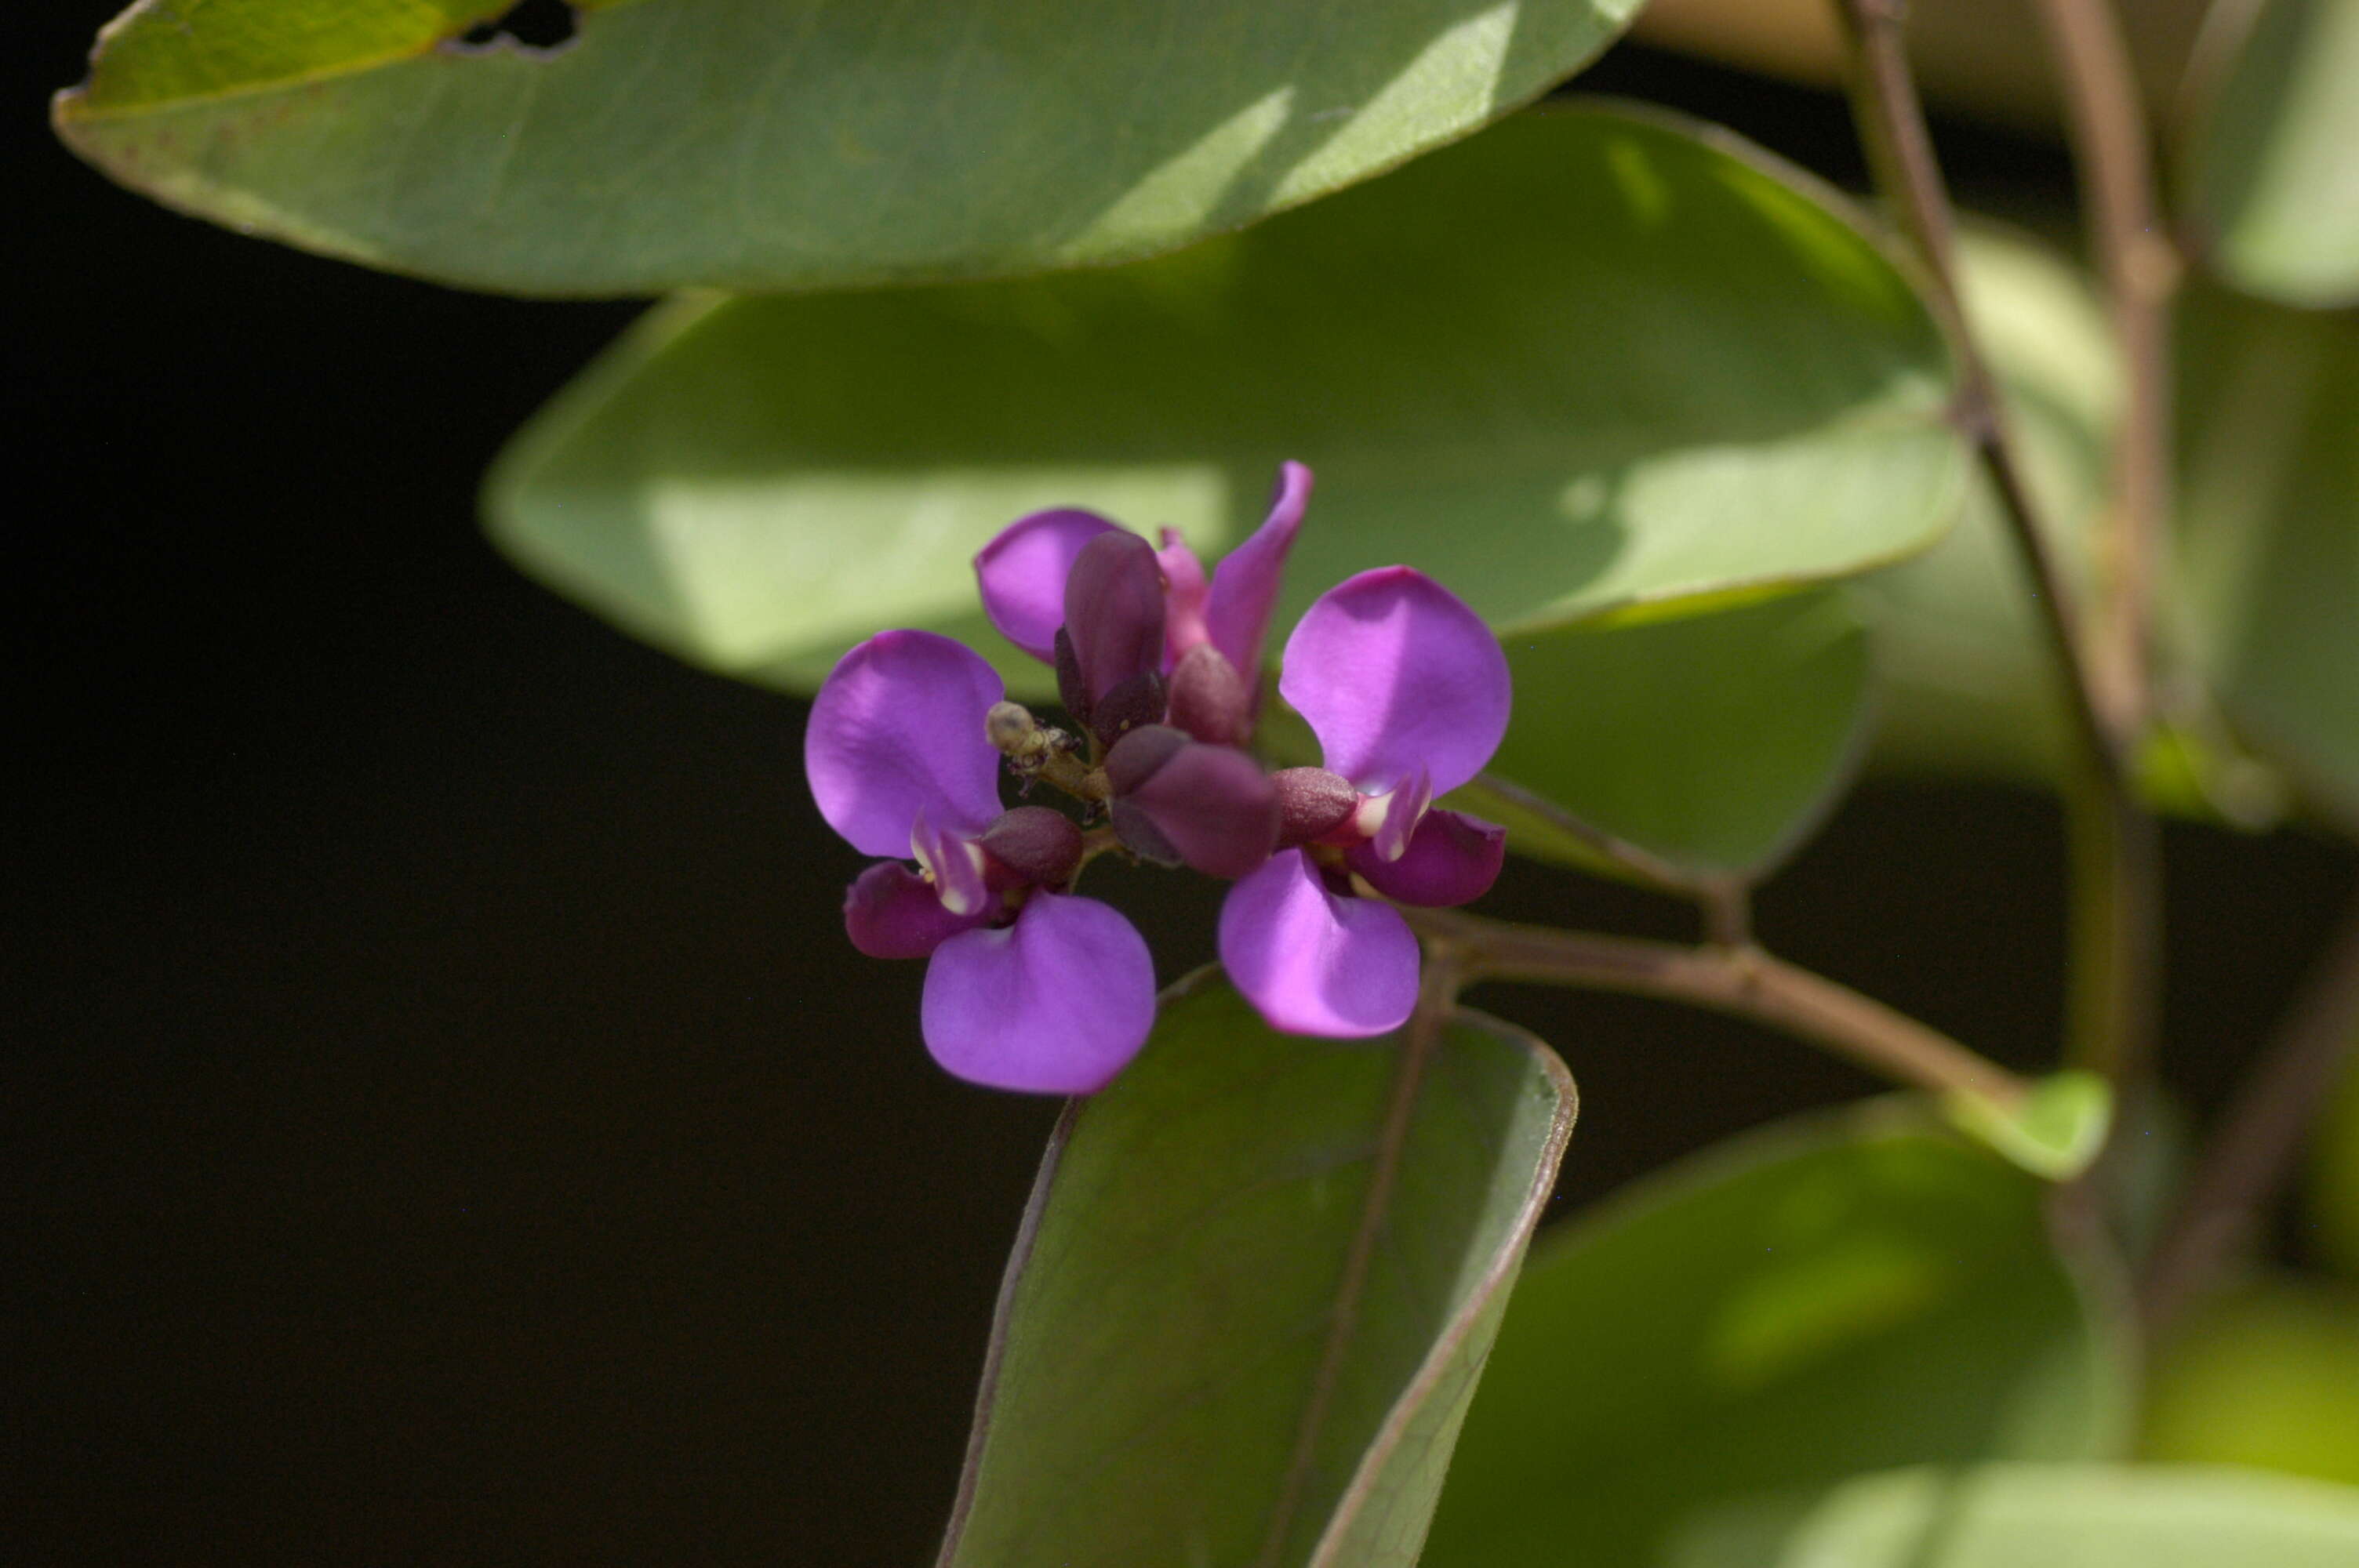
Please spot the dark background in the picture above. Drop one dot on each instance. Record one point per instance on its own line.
(442, 1121)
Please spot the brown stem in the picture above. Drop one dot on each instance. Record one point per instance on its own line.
(2111, 150)
(1743, 981)
(2115, 911)
(1641, 864)
(2244, 1169)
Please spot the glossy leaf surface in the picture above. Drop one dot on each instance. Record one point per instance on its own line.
(1714, 740)
(1253, 1294)
(2273, 181)
(2037, 1516)
(1826, 1296)
(791, 143)
(1586, 360)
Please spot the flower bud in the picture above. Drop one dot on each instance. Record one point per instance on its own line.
(1114, 613)
(1180, 802)
(1040, 847)
(1209, 697)
(1009, 725)
(1312, 804)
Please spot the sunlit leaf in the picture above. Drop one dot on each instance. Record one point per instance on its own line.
(2060, 1127)
(2272, 182)
(791, 143)
(1841, 1293)
(2043, 1515)
(1252, 1295)
(2268, 1375)
(1590, 360)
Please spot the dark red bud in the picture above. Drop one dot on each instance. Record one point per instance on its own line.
(1113, 613)
(1210, 807)
(1209, 699)
(1071, 690)
(893, 913)
(1041, 847)
(1312, 803)
(1137, 702)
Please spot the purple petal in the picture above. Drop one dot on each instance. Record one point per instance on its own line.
(954, 864)
(1395, 814)
(1113, 613)
(1184, 594)
(1451, 858)
(899, 729)
(1211, 808)
(1053, 1004)
(1022, 574)
(1394, 674)
(1244, 585)
(1312, 962)
(892, 913)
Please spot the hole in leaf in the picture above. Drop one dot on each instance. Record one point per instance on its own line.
(530, 27)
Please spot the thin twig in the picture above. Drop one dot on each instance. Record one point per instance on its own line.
(2112, 150)
(1744, 981)
(1642, 864)
(2244, 1170)
(2116, 918)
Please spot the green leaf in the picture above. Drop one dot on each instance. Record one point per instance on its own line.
(1253, 1291)
(2331, 1200)
(2270, 533)
(2268, 1376)
(791, 143)
(2060, 1127)
(1714, 741)
(2038, 1516)
(1590, 360)
(1830, 1295)
(2272, 182)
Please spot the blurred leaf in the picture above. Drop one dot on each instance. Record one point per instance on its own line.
(1830, 1295)
(2332, 1199)
(791, 143)
(2270, 533)
(1226, 1335)
(2043, 1515)
(1591, 359)
(2055, 1132)
(2268, 1376)
(1966, 681)
(2273, 181)
(1714, 740)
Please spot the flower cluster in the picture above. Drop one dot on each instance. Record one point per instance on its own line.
(1030, 986)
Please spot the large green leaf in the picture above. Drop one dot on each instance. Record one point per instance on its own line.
(1714, 741)
(1252, 1295)
(2272, 179)
(1589, 360)
(2271, 533)
(791, 143)
(2043, 1515)
(2268, 1375)
(1828, 1296)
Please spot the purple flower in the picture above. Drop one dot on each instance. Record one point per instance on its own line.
(1025, 575)
(1407, 692)
(1028, 986)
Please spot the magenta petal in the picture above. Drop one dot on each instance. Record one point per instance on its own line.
(1022, 575)
(1401, 812)
(1451, 858)
(1246, 584)
(1211, 808)
(1312, 962)
(1053, 1004)
(1113, 613)
(896, 731)
(1184, 593)
(1393, 674)
(892, 913)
